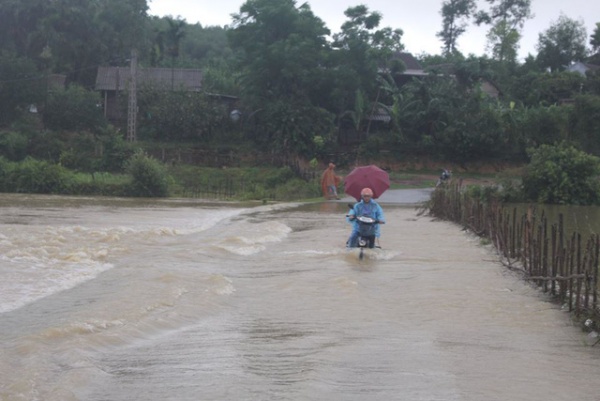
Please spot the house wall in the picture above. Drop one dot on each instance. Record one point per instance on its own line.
(112, 110)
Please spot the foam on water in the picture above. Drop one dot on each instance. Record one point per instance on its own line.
(38, 261)
(252, 238)
(35, 267)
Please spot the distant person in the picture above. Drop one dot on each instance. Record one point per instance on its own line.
(330, 182)
(445, 176)
(366, 207)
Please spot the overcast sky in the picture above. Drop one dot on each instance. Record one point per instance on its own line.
(419, 19)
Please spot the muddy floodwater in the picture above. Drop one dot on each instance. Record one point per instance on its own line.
(117, 299)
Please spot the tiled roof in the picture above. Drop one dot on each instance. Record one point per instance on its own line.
(117, 78)
(409, 61)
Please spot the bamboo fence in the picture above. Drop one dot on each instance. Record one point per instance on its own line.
(565, 265)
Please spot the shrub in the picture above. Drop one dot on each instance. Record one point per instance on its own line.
(297, 188)
(149, 176)
(562, 174)
(5, 172)
(279, 177)
(34, 176)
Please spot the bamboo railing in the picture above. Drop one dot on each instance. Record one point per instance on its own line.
(561, 264)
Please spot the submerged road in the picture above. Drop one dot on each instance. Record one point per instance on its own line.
(398, 196)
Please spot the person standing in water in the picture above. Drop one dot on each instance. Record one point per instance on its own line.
(330, 182)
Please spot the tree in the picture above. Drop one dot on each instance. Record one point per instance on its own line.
(122, 25)
(506, 18)
(180, 115)
(503, 41)
(595, 38)
(454, 12)
(20, 86)
(280, 47)
(71, 36)
(562, 43)
(363, 51)
(553, 88)
(173, 36)
(282, 58)
(74, 109)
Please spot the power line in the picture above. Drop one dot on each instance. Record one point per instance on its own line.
(43, 76)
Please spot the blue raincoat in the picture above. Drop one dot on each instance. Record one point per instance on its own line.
(362, 208)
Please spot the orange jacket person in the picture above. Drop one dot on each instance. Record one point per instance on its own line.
(329, 183)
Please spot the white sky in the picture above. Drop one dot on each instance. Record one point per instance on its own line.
(419, 19)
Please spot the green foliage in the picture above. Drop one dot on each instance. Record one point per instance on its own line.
(585, 120)
(20, 86)
(503, 41)
(459, 124)
(81, 151)
(542, 125)
(74, 109)
(371, 147)
(554, 88)
(595, 38)
(149, 177)
(243, 183)
(280, 49)
(34, 176)
(290, 127)
(72, 35)
(6, 168)
(115, 151)
(100, 184)
(221, 78)
(13, 145)
(180, 116)
(454, 13)
(47, 145)
(506, 18)
(561, 174)
(280, 177)
(562, 43)
(298, 89)
(484, 193)
(296, 188)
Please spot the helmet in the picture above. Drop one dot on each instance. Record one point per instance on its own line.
(366, 191)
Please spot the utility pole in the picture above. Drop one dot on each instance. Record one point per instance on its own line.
(132, 103)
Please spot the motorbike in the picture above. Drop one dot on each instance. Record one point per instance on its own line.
(366, 234)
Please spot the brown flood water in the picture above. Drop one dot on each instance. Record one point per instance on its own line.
(110, 299)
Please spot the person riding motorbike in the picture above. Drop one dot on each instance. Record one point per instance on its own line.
(366, 207)
(445, 176)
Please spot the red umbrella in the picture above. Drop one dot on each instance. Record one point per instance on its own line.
(366, 177)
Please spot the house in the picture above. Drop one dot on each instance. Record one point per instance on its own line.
(114, 81)
(487, 86)
(412, 69)
(582, 68)
(56, 82)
